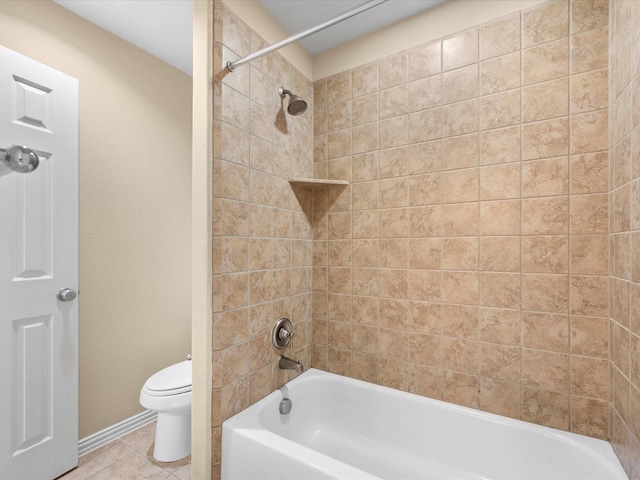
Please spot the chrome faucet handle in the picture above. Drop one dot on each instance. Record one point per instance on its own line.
(189, 356)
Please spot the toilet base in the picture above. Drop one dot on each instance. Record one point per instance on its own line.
(173, 437)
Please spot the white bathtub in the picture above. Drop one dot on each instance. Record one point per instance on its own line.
(340, 428)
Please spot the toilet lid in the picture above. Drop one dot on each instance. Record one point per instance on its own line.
(171, 380)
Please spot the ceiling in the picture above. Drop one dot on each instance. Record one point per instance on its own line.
(163, 28)
(296, 16)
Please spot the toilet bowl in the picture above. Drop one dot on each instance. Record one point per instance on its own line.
(168, 392)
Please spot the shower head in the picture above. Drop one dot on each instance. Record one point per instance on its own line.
(296, 104)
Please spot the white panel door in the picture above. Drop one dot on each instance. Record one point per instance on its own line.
(38, 257)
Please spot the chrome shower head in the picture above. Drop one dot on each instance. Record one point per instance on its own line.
(296, 104)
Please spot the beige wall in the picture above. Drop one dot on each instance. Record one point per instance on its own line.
(624, 228)
(468, 258)
(134, 203)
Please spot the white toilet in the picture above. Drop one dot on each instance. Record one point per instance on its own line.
(168, 392)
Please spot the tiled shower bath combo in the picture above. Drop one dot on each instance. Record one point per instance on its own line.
(486, 250)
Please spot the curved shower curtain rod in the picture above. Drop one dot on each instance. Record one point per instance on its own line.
(231, 66)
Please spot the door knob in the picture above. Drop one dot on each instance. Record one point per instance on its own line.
(19, 159)
(66, 295)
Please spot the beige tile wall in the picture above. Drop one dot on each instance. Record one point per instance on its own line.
(468, 259)
(624, 227)
(473, 258)
(261, 233)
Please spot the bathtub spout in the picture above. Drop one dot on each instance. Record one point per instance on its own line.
(285, 363)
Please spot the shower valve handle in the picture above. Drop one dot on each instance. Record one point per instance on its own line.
(285, 334)
(282, 333)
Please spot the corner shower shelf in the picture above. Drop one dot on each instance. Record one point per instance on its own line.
(314, 183)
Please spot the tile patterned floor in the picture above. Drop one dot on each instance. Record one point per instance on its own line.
(129, 458)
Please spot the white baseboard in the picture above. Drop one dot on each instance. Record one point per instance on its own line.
(109, 434)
